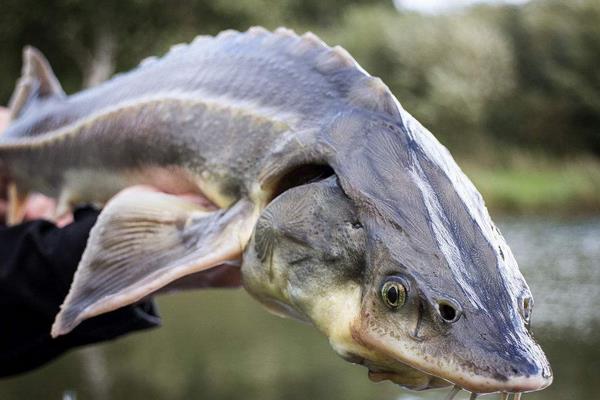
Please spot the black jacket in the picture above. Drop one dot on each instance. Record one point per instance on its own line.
(37, 263)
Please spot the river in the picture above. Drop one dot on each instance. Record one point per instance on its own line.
(220, 344)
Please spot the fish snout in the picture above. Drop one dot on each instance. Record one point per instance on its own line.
(522, 367)
(529, 375)
(482, 384)
(483, 354)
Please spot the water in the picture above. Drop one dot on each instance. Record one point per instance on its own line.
(223, 345)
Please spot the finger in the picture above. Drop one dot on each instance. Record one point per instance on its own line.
(199, 199)
(39, 206)
(64, 220)
(195, 198)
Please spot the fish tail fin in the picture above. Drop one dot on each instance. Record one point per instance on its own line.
(37, 82)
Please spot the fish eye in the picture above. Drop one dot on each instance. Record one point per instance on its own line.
(393, 293)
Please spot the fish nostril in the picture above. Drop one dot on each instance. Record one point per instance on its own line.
(449, 311)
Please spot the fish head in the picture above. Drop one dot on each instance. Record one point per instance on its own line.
(442, 292)
(468, 329)
(397, 261)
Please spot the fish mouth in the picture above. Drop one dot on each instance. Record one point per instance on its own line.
(425, 381)
(520, 384)
(515, 386)
(472, 383)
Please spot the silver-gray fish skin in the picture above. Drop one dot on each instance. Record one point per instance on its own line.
(230, 117)
(253, 90)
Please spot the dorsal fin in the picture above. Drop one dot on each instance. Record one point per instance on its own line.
(37, 80)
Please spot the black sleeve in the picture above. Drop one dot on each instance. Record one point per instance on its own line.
(37, 263)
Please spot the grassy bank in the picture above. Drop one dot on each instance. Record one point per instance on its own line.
(539, 187)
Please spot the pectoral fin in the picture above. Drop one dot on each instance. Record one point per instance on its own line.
(143, 241)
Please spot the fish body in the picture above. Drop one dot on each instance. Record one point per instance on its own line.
(341, 208)
(185, 110)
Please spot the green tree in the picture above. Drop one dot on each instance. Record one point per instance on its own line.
(556, 104)
(444, 69)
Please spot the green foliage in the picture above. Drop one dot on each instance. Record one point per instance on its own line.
(445, 69)
(502, 76)
(557, 102)
(540, 186)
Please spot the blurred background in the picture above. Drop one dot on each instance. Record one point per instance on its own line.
(512, 88)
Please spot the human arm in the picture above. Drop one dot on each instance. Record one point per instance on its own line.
(37, 262)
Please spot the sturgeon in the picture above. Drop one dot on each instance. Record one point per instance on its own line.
(341, 209)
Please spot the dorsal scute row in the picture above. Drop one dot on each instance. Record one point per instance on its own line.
(364, 91)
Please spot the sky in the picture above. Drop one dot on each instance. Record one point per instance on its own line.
(437, 6)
